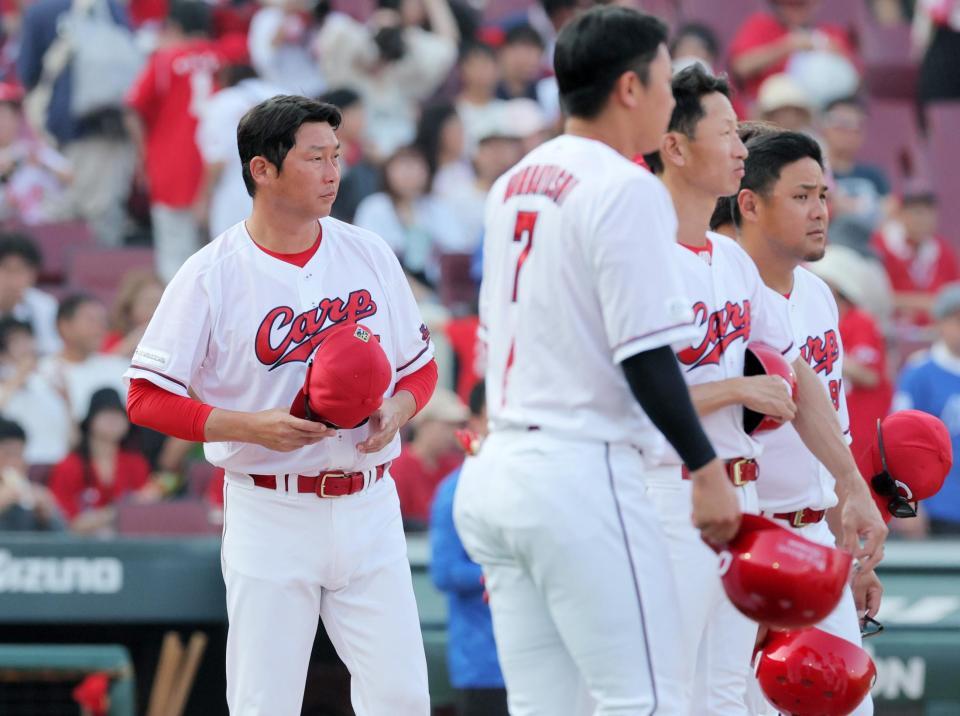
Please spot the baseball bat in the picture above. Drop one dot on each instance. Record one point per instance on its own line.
(171, 653)
(188, 672)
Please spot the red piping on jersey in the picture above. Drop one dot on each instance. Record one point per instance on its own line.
(300, 258)
(153, 407)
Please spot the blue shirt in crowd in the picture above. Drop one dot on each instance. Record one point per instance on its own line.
(471, 650)
(932, 384)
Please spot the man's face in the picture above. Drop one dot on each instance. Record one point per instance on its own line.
(793, 216)
(656, 103)
(949, 329)
(16, 276)
(310, 178)
(520, 61)
(21, 347)
(495, 155)
(843, 130)
(85, 331)
(714, 157)
(919, 220)
(11, 456)
(479, 69)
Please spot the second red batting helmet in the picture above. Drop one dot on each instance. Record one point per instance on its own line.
(778, 578)
(813, 673)
(761, 359)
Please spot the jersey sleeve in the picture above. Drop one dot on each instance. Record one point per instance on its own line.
(414, 349)
(771, 322)
(641, 293)
(144, 97)
(175, 343)
(843, 414)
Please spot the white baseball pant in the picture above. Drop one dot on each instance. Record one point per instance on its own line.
(715, 638)
(290, 558)
(842, 622)
(576, 566)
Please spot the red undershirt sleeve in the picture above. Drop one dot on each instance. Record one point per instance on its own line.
(153, 407)
(420, 384)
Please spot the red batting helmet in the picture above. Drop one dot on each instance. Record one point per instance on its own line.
(778, 578)
(346, 378)
(761, 359)
(916, 457)
(813, 673)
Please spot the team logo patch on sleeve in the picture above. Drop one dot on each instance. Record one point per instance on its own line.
(362, 333)
(424, 332)
(151, 357)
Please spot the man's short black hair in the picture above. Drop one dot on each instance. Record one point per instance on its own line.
(8, 326)
(477, 400)
(746, 130)
(476, 47)
(194, 17)
(71, 304)
(9, 430)
(269, 130)
(15, 244)
(690, 85)
(768, 155)
(596, 48)
(523, 34)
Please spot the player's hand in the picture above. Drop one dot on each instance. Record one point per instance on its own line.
(386, 421)
(277, 430)
(716, 509)
(867, 592)
(862, 523)
(768, 395)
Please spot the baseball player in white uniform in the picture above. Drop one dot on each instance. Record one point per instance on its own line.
(312, 525)
(700, 159)
(782, 215)
(579, 306)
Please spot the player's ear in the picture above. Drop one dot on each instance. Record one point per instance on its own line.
(262, 170)
(626, 90)
(671, 149)
(748, 202)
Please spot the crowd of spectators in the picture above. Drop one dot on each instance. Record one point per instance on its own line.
(439, 98)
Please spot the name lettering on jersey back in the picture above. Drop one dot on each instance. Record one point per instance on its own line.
(541, 179)
(821, 353)
(300, 332)
(724, 326)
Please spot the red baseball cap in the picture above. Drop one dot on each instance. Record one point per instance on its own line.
(918, 454)
(10, 92)
(346, 378)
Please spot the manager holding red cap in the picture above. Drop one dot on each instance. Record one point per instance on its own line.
(292, 347)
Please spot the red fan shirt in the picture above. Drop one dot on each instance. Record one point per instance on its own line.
(863, 342)
(168, 95)
(77, 487)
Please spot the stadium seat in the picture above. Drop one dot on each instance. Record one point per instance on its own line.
(57, 242)
(199, 475)
(457, 289)
(890, 71)
(725, 18)
(100, 271)
(849, 14)
(892, 139)
(943, 119)
(174, 517)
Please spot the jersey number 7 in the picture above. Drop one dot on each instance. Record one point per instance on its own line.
(523, 229)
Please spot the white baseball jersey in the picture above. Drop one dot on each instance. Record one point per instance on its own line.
(578, 275)
(235, 326)
(792, 477)
(732, 307)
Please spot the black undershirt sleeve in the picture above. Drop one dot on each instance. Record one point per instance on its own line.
(657, 384)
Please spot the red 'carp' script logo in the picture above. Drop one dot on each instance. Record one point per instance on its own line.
(724, 326)
(284, 337)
